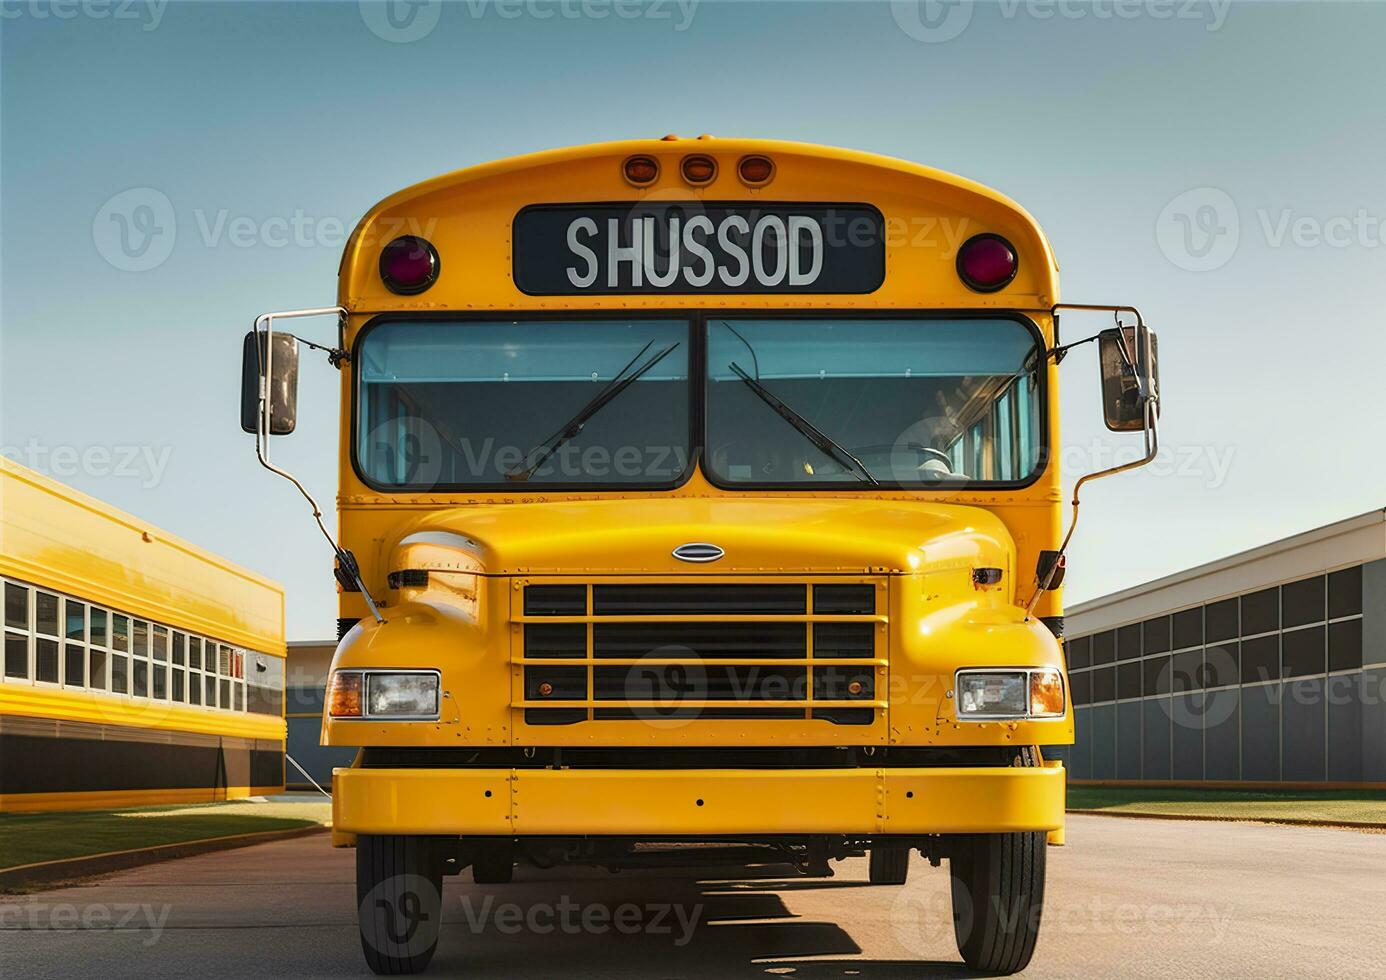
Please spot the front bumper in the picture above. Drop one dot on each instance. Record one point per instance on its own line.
(695, 802)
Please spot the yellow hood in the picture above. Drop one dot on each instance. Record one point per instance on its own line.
(757, 535)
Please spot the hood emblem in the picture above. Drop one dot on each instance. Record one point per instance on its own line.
(698, 551)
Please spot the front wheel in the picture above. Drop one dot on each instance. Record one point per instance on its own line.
(998, 894)
(889, 865)
(399, 894)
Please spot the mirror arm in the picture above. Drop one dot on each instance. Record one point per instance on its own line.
(1151, 430)
(262, 430)
(1152, 447)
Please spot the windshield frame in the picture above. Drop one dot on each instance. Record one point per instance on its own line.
(698, 321)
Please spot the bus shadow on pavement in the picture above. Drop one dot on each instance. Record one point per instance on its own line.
(645, 925)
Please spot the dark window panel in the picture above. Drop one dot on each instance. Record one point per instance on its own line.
(1129, 680)
(1260, 612)
(1302, 602)
(1079, 651)
(1157, 671)
(1221, 621)
(16, 655)
(46, 614)
(120, 677)
(46, 659)
(1188, 628)
(1186, 672)
(16, 606)
(1081, 687)
(1345, 645)
(75, 615)
(1303, 651)
(120, 633)
(1104, 648)
(98, 627)
(1221, 665)
(1104, 684)
(74, 665)
(1129, 642)
(1261, 659)
(1156, 633)
(96, 675)
(1345, 592)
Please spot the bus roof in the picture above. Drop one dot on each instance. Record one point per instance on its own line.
(469, 216)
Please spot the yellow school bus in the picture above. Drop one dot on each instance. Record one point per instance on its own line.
(698, 491)
(138, 668)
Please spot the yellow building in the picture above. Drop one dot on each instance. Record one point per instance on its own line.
(137, 667)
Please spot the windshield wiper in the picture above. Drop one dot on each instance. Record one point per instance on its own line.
(811, 432)
(573, 427)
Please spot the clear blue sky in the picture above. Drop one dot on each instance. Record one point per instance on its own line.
(1141, 135)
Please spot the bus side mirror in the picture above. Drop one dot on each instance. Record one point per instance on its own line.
(1130, 376)
(282, 402)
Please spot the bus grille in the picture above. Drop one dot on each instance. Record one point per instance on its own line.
(707, 651)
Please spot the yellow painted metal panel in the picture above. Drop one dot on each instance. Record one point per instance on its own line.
(421, 801)
(34, 701)
(56, 537)
(653, 803)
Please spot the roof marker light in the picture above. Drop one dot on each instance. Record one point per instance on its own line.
(409, 265)
(987, 263)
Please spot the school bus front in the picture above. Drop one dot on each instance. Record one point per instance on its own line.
(699, 491)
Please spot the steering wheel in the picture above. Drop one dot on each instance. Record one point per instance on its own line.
(881, 459)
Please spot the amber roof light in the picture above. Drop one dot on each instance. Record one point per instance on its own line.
(755, 170)
(698, 169)
(641, 170)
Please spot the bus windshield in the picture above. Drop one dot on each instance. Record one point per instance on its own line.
(502, 403)
(923, 401)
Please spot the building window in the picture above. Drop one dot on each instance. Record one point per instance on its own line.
(1156, 635)
(1261, 612)
(1221, 621)
(1345, 592)
(1188, 628)
(1129, 642)
(1261, 659)
(1302, 602)
(1304, 652)
(1345, 645)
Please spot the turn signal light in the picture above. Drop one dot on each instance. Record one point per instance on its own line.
(755, 170)
(1046, 694)
(641, 170)
(409, 265)
(698, 169)
(987, 263)
(344, 695)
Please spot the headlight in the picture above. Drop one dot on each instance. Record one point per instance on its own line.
(987, 695)
(384, 695)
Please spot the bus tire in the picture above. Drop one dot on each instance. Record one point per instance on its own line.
(399, 895)
(890, 865)
(998, 894)
(494, 865)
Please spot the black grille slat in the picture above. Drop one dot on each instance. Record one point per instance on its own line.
(701, 714)
(698, 600)
(707, 641)
(556, 640)
(844, 600)
(843, 640)
(697, 682)
(555, 600)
